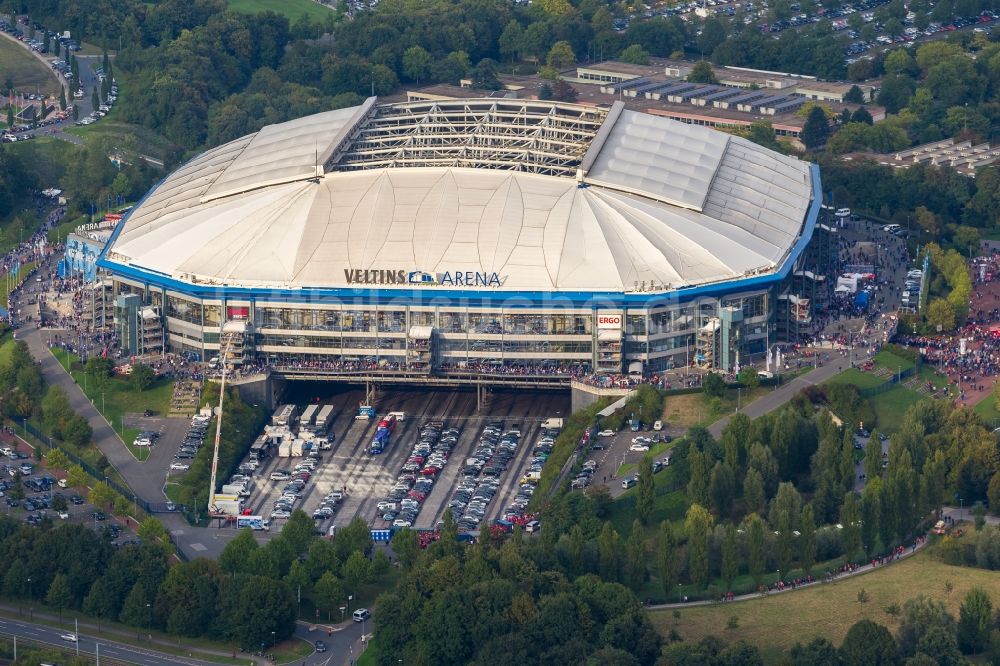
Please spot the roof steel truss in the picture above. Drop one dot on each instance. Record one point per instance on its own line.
(516, 135)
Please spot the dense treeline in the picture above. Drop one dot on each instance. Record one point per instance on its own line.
(520, 601)
(761, 495)
(245, 597)
(16, 181)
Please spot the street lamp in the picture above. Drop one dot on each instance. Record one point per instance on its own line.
(272, 640)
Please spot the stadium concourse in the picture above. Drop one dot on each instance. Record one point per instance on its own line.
(463, 240)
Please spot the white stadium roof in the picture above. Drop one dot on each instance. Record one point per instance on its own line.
(549, 196)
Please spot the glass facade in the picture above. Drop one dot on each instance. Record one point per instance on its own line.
(449, 338)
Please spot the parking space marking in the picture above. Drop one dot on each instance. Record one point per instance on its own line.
(198, 547)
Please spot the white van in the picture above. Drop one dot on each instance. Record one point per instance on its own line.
(361, 615)
(532, 526)
(658, 425)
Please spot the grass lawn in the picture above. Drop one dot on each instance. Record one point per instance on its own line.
(293, 9)
(292, 649)
(694, 409)
(118, 398)
(58, 234)
(854, 376)
(892, 362)
(147, 142)
(892, 405)
(987, 409)
(669, 505)
(776, 623)
(28, 73)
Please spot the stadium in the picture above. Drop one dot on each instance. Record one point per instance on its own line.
(469, 239)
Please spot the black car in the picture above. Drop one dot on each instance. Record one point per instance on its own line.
(320, 646)
(99, 515)
(76, 499)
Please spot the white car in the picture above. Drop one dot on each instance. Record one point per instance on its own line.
(179, 466)
(69, 637)
(639, 447)
(63, 515)
(606, 433)
(641, 439)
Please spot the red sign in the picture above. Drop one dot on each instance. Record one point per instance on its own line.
(237, 312)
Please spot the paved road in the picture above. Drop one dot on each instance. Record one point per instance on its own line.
(40, 633)
(778, 397)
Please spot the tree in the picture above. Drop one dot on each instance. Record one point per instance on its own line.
(406, 547)
(635, 55)
(142, 377)
(941, 315)
(609, 553)
(753, 491)
(697, 486)
(235, 556)
(10, 116)
(730, 557)
(328, 593)
(698, 523)
(356, 570)
(702, 72)
(861, 115)
(62, 99)
(920, 615)
(59, 595)
(76, 477)
(756, 546)
(993, 490)
(818, 652)
(722, 488)
(974, 619)
(635, 557)
(563, 91)
(807, 540)
(713, 385)
(510, 39)
(713, 33)
(816, 128)
(647, 490)
(57, 459)
(940, 645)
(873, 457)
(868, 644)
(854, 95)
(417, 63)
(561, 55)
(666, 557)
(749, 377)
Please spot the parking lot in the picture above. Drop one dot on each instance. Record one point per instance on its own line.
(365, 480)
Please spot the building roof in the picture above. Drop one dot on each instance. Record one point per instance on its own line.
(547, 196)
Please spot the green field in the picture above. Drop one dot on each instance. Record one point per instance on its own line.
(891, 405)
(118, 398)
(892, 362)
(862, 380)
(293, 9)
(987, 409)
(147, 142)
(776, 623)
(19, 65)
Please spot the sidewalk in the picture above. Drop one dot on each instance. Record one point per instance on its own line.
(780, 395)
(115, 634)
(866, 568)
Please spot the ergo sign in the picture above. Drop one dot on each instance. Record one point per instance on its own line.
(607, 320)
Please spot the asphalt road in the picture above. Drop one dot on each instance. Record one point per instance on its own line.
(40, 633)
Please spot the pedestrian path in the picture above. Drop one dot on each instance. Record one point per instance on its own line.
(857, 571)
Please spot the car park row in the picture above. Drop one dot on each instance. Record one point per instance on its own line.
(417, 476)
